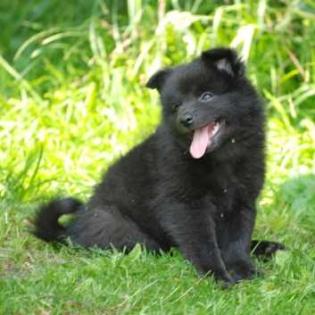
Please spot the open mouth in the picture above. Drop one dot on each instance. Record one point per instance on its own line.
(204, 138)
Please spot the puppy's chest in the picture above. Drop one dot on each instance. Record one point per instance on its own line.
(220, 187)
(224, 197)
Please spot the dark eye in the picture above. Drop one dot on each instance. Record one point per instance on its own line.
(175, 107)
(206, 96)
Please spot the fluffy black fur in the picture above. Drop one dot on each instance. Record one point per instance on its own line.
(158, 195)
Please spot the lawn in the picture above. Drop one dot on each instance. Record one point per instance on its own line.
(72, 100)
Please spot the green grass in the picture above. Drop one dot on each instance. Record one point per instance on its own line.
(72, 100)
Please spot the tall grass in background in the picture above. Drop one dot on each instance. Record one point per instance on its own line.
(72, 71)
(72, 96)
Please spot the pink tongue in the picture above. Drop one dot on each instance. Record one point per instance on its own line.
(200, 142)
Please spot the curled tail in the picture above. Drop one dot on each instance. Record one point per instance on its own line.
(47, 226)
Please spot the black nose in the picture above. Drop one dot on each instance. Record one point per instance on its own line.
(186, 120)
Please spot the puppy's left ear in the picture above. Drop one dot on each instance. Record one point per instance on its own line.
(158, 79)
(225, 60)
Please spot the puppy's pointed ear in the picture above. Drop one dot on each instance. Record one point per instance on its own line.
(225, 60)
(158, 79)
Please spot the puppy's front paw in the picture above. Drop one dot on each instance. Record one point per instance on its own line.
(224, 279)
(243, 269)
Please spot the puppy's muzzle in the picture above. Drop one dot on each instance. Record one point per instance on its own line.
(186, 119)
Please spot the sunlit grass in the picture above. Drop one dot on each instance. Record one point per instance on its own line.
(72, 100)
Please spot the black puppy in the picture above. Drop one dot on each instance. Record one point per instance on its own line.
(193, 184)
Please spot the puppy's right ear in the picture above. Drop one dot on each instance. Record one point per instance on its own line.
(158, 79)
(225, 60)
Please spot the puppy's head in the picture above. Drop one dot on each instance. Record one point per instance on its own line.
(208, 103)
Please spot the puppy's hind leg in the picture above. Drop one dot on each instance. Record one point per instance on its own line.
(265, 250)
(107, 228)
